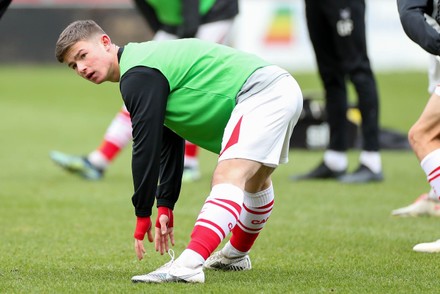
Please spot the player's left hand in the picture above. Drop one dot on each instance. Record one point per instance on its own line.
(164, 230)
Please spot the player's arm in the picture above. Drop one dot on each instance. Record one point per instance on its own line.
(171, 169)
(145, 93)
(149, 14)
(191, 19)
(412, 17)
(170, 179)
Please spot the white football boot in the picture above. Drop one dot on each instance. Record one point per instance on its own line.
(172, 272)
(423, 206)
(79, 165)
(218, 261)
(430, 247)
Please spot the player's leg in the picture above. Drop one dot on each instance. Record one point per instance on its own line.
(92, 166)
(321, 22)
(163, 36)
(191, 170)
(245, 164)
(424, 139)
(216, 219)
(256, 210)
(426, 203)
(222, 210)
(217, 32)
(117, 136)
(354, 49)
(258, 202)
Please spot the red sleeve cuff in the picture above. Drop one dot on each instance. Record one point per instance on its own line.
(143, 224)
(166, 211)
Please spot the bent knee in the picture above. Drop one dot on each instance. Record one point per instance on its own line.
(415, 135)
(418, 139)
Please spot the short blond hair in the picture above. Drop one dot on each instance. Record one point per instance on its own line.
(79, 30)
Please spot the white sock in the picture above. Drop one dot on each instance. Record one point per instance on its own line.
(119, 132)
(431, 166)
(229, 251)
(372, 160)
(256, 211)
(216, 219)
(432, 196)
(335, 160)
(97, 159)
(190, 258)
(192, 162)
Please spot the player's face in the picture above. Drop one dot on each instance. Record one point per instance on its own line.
(92, 59)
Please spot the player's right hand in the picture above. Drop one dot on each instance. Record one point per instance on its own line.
(143, 226)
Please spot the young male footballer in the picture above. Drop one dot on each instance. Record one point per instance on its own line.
(210, 20)
(226, 101)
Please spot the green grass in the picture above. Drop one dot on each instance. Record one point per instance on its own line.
(60, 234)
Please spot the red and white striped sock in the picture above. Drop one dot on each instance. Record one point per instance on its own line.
(431, 166)
(218, 216)
(191, 152)
(256, 211)
(117, 136)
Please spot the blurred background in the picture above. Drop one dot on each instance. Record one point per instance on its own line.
(273, 29)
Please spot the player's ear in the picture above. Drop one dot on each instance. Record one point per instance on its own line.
(106, 41)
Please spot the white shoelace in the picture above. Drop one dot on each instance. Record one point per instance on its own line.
(171, 254)
(169, 263)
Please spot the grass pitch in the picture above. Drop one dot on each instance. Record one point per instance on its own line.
(61, 234)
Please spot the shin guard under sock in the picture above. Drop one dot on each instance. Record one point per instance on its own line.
(218, 216)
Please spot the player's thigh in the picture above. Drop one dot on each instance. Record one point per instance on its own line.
(164, 36)
(429, 120)
(260, 126)
(217, 32)
(424, 134)
(433, 72)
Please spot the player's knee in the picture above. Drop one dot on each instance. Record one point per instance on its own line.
(417, 138)
(412, 136)
(258, 183)
(231, 176)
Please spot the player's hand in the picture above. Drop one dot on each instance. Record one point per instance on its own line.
(164, 230)
(143, 226)
(139, 248)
